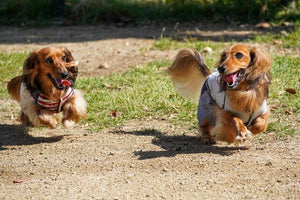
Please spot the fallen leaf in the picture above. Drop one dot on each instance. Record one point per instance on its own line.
(291, 90)
(106, 85)
(19, 181)
(113, 113)
(288, 112)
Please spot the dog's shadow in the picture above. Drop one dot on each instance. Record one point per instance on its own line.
(14, 135)
(174, 145)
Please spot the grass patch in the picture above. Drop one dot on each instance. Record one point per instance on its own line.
(290, 40)
(285, 107)
(139, 93)
(11, 66)
(210, 60)
(284, 39)
(168, 43)
(285, 74)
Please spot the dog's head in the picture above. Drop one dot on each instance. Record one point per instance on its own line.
(50, 68)
(243, 66)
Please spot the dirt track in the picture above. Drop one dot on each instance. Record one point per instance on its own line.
(143, 159)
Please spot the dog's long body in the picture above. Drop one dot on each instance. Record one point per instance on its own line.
(232, 104)
(46, 88)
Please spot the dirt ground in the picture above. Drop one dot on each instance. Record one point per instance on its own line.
(149, 159)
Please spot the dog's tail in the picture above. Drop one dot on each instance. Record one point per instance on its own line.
(188, 73)
(14, 86)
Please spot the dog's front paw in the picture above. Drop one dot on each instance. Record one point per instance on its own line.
(68, 123)
(243, 136)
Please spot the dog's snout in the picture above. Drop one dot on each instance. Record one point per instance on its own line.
(222, 69)
(64, 75)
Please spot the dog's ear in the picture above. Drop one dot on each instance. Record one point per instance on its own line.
(68, 54)
(73, 70)
(30, 70)
(259, 66)
(30, 62)
(221, 59)
(260, 60)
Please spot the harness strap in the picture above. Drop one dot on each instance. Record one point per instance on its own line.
(52, 105)
(248, 123)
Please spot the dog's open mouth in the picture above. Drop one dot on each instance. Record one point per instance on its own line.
(59, 83)
(232, 80)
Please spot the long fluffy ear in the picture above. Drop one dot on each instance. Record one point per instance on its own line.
(30, 71)
(221, 59)
(68, 54)
(188, 73)
(72, 67)
(260, 63)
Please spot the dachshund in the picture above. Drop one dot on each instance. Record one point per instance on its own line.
(231, 100)
(46, 88)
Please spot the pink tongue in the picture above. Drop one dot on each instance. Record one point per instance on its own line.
(230, 78)
(63, 82)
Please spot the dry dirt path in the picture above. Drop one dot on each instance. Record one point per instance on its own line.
(149, 159)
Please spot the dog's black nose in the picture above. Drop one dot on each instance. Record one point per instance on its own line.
(222, 69)
(64, 75)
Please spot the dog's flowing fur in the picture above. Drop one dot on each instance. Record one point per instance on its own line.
(60, 64)
(188, 73)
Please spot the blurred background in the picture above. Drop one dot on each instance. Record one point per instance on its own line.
(71, 12)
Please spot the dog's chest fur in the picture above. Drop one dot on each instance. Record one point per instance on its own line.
(212, 94)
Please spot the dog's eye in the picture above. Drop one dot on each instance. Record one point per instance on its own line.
(49, 60)
(64, 58)
(239, 55)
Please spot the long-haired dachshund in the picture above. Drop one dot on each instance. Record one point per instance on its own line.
(46, 88)
(232, 104)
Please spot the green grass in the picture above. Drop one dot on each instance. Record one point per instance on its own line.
(287, 40)
(139, 93)
(210, 60)
(10, 66)
(168, 43)
(285, 106)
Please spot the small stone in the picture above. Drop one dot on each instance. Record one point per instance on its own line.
(207, 50)
(269, 163)
(263, 25)
(103, 66)
(286, 24)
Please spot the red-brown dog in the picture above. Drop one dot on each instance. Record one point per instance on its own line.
(232, 103)
(46, 88)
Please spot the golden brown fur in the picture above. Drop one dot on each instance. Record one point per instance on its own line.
(186, 74)
(39, 68)
(244, 77)
(14, 87)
